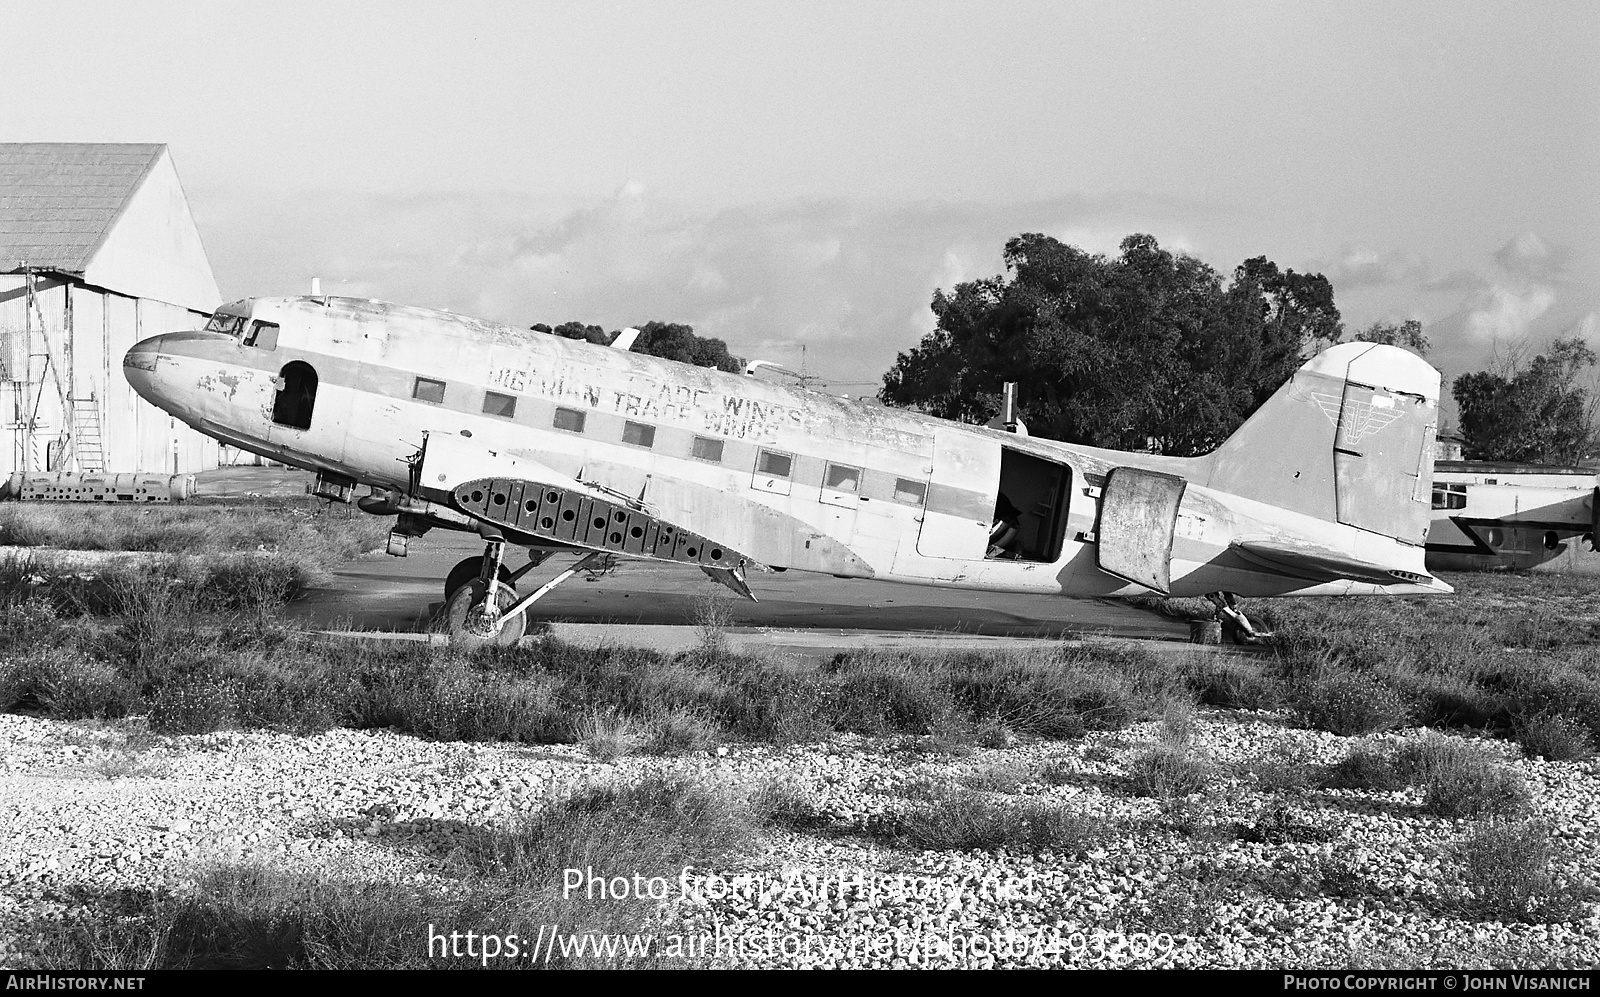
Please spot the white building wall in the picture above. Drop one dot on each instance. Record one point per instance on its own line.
(153, 249)
(135, 435)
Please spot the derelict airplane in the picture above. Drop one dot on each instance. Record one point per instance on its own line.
(552, 444)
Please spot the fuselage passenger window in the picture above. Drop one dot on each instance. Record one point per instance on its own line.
(707, 450)
(909, 491)
(638, 434)
(426, 389)
(774, 464)
(569, 419)
(842, 478)
(494, 403)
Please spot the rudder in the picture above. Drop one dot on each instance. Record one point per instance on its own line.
(1348, 439)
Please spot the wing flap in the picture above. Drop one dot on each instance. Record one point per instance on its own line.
(1315, 562)
(586, 520)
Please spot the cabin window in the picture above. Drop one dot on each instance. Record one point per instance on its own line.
(569, 419)
(910, 491)
(262, 335)
(428, 390)
(494, 403)
(842, 478)
(297, 395)
(772, 472)
(638, 434)
(707, 449)
(774, 465)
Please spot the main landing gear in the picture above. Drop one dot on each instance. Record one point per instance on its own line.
(482, 608)
(1236, 625)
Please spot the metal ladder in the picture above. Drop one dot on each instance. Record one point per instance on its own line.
(87, 450)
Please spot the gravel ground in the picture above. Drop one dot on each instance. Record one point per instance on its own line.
(81, 810)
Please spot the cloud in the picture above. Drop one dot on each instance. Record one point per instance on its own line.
(1358, 267)
(1506, 312)
(1528, 257)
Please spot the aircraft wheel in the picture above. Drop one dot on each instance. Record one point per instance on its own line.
(465, 619)
(466, 571)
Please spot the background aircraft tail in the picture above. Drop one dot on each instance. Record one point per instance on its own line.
(1348, 439)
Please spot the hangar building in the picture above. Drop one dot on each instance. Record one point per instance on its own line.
(97, 251)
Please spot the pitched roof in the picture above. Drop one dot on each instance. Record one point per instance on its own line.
(59, 199)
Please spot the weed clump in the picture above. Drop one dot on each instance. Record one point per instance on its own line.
(788, 804)
(1167, 771)
(965, 820)
(1554, 737)
(1457, 779)
(1505, 871)
(65, 684)
(1349, 704)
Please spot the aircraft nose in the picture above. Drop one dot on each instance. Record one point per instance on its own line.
(139, 365)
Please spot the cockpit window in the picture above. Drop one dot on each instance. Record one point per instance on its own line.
(262, 335)
(228, 325)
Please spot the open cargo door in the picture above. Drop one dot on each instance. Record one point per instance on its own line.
(1138, 514)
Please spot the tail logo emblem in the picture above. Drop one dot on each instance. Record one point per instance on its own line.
(1360, 419)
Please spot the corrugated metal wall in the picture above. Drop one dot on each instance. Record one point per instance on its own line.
(135, 435)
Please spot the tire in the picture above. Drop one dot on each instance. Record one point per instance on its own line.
(459, 613)
(466, 571)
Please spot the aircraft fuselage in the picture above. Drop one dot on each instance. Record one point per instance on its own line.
(789, 477)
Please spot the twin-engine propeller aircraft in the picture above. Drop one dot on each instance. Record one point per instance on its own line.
(1490, 515)
(550, 444)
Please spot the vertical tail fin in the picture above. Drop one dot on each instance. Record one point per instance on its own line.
(1348, 439)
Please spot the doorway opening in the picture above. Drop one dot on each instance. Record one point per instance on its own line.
(298, 396)
(1034, 496)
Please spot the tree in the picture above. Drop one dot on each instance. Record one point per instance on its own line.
(1534, 412)
(676, 341)
(577, 330)
(669, 340)
(1145, 350)
(1407, 334)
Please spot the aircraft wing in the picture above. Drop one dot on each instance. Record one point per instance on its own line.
(1314, 562)
(520, 494)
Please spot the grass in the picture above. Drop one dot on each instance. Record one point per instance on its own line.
(1457, 778)
(1505, 872)
(504, 881)
(1554, 738)
(1167, 771)
(965, 820)
(303, 527)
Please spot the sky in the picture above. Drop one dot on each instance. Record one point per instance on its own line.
(808, 174)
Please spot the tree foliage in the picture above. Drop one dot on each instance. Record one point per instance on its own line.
(577, 330)
(669, 340)
(676, 341)
(1145, 349)
(1533, 412)
(1407, 334)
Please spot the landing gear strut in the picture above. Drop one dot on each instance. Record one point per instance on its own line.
(1234, 623)
(472, 567)
(486, 612)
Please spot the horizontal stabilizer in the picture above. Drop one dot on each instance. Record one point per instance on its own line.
(1314, 562)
